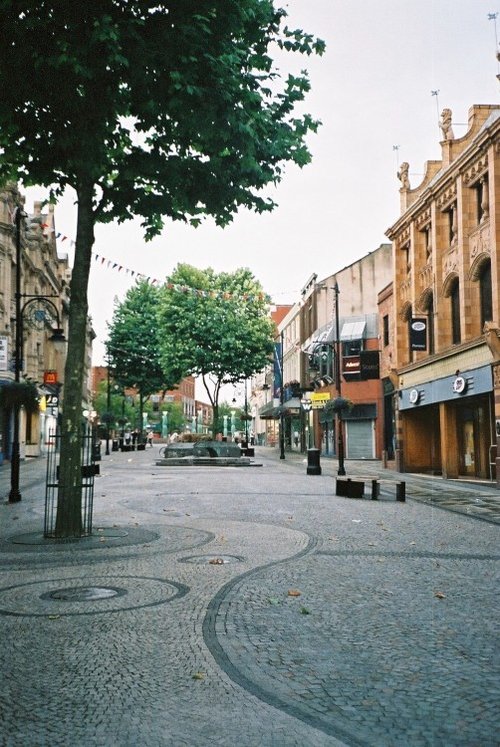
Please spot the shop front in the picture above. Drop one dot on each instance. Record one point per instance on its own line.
(447, 426)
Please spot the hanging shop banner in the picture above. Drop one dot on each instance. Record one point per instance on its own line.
(3, 354)
(277, 370)
(370, 368)
(319, 399)
(418, 334)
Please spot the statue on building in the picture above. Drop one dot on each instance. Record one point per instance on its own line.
(403, 175)
(445, 125)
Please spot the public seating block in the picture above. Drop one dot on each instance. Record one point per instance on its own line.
(400, 486)
(349, 488)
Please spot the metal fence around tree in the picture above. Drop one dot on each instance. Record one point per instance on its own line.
(88, 472)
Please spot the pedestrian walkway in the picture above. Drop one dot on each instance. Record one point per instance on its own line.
(251, 607)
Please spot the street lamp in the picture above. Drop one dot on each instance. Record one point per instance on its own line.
(338, 384)
(307, 406)
(40, 315)
(57, 337)
(282, 401)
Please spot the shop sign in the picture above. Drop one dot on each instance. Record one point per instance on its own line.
(369, 364)
(414, 396)
(3, 354)
(459, 385)
(50, 377)
(319, 399)
(351, 365)
(418, 334)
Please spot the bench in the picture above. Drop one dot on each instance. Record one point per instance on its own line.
(400, 489)
(348, 487)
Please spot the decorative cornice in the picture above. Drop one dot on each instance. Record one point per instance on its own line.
(447, 197)
(403, 238)
(423, 219)
(476, 170)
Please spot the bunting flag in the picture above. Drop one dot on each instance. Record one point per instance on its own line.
(110, 264)
(186, 289)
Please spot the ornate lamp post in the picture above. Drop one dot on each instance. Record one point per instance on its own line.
(338, 384)
(307, 406)
(43, 311)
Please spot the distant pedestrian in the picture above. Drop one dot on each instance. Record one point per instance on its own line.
(150, 438)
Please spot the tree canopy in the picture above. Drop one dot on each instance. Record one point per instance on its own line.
(214, 325)
(133, 342)
(144, 108)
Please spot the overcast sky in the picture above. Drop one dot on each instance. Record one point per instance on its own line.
(372, 90)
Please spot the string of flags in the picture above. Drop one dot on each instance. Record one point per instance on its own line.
(134, 274)
(112, 265)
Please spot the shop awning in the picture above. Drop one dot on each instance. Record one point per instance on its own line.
(352, 331)
(270, 412)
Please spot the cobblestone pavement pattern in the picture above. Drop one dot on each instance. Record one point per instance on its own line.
(321, 621)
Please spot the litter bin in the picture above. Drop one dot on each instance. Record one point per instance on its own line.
(313, 462)
(96, 451)
(115, 445)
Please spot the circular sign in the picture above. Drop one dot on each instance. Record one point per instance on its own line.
(459, 385)
(414, 396)
(418, 326)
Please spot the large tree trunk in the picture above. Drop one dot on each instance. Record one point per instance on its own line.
(69, 501)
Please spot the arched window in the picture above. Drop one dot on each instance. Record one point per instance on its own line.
(485, 297)
(456, 334)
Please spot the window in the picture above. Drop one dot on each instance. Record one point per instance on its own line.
(427, 242)
(482, 207)
(385, 330)
(456, 334)
(452, 224)
(485, 294)
(430, 326)
(352, 347)
(407, 260)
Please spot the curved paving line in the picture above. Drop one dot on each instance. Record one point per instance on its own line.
(65, 554)
(410, 554)
(460, 511)
(214, 646)
(182, 590)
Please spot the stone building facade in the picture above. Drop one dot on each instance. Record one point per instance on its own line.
(43, 274)
(445, 353)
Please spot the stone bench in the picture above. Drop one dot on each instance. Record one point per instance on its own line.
(400, 489)
(349, 487)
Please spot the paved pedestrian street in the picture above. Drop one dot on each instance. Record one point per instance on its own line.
(251, 607)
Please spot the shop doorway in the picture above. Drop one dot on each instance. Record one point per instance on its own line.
(473, 424)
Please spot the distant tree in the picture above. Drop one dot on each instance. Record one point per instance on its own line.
(144, 108)
(216, 326)
(120, 408)
(133, 346)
